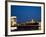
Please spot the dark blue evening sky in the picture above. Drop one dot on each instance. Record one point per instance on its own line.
(25, 13)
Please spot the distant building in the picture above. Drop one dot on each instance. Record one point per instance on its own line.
(32, 21)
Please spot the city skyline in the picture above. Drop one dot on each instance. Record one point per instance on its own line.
(25, 13)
